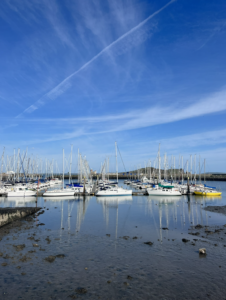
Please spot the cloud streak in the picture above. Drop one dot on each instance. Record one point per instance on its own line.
(65, 84)
(136, 119)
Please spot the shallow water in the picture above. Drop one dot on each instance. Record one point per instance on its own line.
(80, 228)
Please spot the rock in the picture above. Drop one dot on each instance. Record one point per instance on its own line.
(35, 245)
(202, 251)
(125, 237)
(30, 238)
(165, 228)
(72, 296)
(23, 273)
(31, 251)
(1, 254)
(18, 267)
(109, 281)
(81, 290)
(194, 233)
(48, 240)
(41, 224)
(60, 255)
(215, 245)
(148, 243)
(108, 235)
(40, 249)
(50, 258)
(135, 237)
(198, 226)
(4, 264)
(19, 247)
(24, 258)
(126, 283)
(129, 277)
(185, 240)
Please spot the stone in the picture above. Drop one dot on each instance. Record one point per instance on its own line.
(185, 240)
(23, 273)
(125, 237)
(81, 290)
(202, 251)
(72, 296)
(165, 228)
(135, 237)
(129, 277)
(198, 226)
(126, 283)
(4, 264)
(109, 281)
(19, 247)
(50, 258)
(148, 243)
(108, 235)
(35, 245)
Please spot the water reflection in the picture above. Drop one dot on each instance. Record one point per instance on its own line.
(112, 203)
(17, 201)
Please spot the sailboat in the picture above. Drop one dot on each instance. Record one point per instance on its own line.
(63, 191)
(114, 190)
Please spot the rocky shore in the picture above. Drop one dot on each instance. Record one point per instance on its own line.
(217, 209)
(9, 214)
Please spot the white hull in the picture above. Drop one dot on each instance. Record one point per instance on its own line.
(58, 193)
(163, 192)
(21, 193)
(116, 192)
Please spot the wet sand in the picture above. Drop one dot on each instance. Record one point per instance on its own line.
(39, 263)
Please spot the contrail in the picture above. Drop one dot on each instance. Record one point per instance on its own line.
(61, 87)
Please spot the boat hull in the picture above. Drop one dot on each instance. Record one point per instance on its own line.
(152, 192)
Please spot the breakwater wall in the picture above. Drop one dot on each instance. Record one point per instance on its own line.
(9, 214)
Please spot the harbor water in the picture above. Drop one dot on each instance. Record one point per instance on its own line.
(102, 250)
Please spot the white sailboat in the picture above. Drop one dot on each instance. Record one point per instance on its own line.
(161, 190)
(20, 191)
(114, 190)
(60, 193)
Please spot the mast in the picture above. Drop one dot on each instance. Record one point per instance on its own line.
(14, 165)
(159, 164)
(199, 170)
(78, 165)
(116, 161)
(195, 168)
(182, 170)
(204, 170)
(70, 164)
(191, 166)
(63, 168)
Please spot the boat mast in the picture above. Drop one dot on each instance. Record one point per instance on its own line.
(204, 170)
(191, 166)
(78, 165)
(14, 165)
(195, 169)
(199, 170)
(182, 170)
(116, 161)
(63, 169)
(70, 164)
(159, 164)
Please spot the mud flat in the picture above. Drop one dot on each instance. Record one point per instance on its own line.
(217, 209)
(8, 214)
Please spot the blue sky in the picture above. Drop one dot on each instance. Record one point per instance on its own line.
(89, 73)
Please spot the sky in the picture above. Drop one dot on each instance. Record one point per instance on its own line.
(92, 72)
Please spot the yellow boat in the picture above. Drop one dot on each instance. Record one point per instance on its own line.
(214, 193)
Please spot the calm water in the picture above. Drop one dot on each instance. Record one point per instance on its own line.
(78, 228)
